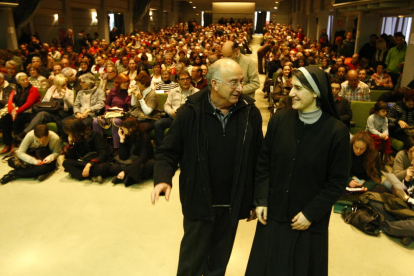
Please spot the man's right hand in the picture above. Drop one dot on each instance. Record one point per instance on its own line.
(261, 213)
(158, 189)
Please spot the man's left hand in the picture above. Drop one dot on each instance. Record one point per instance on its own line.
(300, 222)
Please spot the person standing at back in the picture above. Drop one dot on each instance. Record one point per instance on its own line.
(251, 77)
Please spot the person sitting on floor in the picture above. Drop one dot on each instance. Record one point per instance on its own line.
(36, 155)
(365, 164)
(86, 155)
(135, 161)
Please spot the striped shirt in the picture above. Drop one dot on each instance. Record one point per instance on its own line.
(167, 86)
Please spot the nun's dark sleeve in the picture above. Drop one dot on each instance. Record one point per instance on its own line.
(339, 167)
(262, 175)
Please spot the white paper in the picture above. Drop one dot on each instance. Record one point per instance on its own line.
(394, 180)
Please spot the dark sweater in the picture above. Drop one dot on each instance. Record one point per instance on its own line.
(221, 155)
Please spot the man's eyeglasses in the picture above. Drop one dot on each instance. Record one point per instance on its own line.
(233, 84)
(185, 79)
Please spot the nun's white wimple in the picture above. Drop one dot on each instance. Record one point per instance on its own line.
(310, 80)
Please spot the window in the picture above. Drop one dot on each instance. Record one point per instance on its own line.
(391, 25)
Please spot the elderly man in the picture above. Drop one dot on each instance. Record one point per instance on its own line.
(37, 62)
(176, 98)
(355, 90)
(251, 77)
(11, 68)
(214, 138)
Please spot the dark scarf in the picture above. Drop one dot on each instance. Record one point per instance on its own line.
(20, 95)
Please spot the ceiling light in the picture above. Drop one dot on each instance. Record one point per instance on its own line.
(194, 7)
(275, 8)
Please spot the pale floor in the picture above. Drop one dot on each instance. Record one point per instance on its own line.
(62, 227)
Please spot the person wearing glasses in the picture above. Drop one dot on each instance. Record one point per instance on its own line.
(214, 138)
(59, 92)
(176, 98)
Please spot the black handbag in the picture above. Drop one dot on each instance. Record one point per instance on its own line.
(52, 107)
(364, 218)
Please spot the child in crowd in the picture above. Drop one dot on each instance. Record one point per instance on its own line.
(377, 126)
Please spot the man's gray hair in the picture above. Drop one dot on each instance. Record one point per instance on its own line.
(11, 62)
(213, 73)
(66, 71)
(36, 57)
(88, 78)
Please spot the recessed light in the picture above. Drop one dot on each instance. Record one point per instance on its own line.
(194, 7)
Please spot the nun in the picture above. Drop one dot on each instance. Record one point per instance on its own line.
(302, 170)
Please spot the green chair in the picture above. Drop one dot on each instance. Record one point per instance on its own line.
(162, 98)
(360, 114)
(375, 94)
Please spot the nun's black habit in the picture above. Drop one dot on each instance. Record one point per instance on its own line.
(301, 168)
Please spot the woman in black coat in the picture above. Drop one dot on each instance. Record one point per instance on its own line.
(302, 170)
(136, 154)
(86, 155)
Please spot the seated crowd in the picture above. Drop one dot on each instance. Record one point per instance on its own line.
(93, 91)
(118, 86)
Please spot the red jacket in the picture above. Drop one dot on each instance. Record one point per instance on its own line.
(32, 98)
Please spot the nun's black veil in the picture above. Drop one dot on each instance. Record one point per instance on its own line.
(321, 79)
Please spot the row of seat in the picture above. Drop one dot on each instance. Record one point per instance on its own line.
(162, 98)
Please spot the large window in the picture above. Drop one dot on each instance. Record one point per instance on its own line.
(391, 25)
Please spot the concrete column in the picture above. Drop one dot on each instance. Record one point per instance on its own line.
(367, 25)
(323, 17)
(349, 24)
(103, 23)
(67, 15)
(10, 29)
(408, 73)
(128, 23)
(146, 22)
(311, 31)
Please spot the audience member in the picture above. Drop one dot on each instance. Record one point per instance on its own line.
(19, 108)
(117, 97)
(86, 155)
(176, 98)
(135, 161)
(251, 77)
(342, 104)
(353, 89)
(36, 156)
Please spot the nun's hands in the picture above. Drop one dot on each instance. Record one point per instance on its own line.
(300, 222)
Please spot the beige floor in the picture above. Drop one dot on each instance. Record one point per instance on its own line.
(63, 227)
